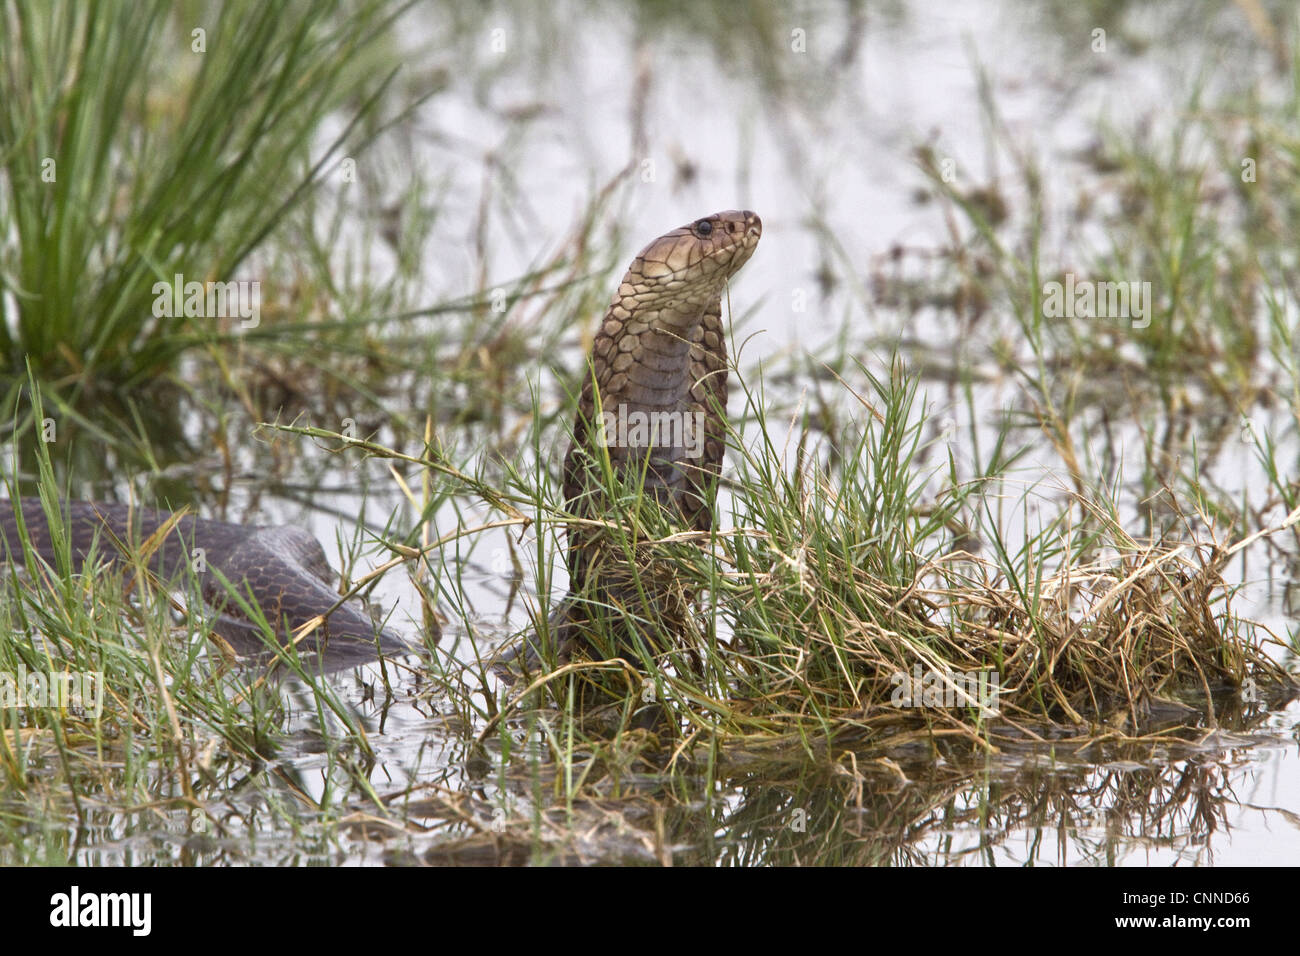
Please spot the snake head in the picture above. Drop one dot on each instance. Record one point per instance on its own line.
(685, 270)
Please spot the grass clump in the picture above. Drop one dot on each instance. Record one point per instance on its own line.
(849, 601)
(846, 587)
(135, 146)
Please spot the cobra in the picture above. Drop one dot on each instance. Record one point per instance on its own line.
(659, 360)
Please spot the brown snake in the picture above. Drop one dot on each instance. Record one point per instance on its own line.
(655, 398)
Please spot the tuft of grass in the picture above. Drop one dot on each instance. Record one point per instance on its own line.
(844, 605)
(136, 145)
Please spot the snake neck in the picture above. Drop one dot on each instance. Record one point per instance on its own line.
(649, 371)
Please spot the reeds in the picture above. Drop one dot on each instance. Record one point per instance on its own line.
(136, 146)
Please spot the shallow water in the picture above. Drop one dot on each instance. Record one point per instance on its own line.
(821, 144)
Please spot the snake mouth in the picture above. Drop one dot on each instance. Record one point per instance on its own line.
(743, 228)
(731, 243)
(743, 224)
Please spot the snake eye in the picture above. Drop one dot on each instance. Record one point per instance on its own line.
(703, 228)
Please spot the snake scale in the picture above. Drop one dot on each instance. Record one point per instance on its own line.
(655, 400)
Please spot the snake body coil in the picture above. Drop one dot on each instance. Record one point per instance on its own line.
(283, 569)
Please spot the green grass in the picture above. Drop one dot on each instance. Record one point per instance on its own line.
(129, 155)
